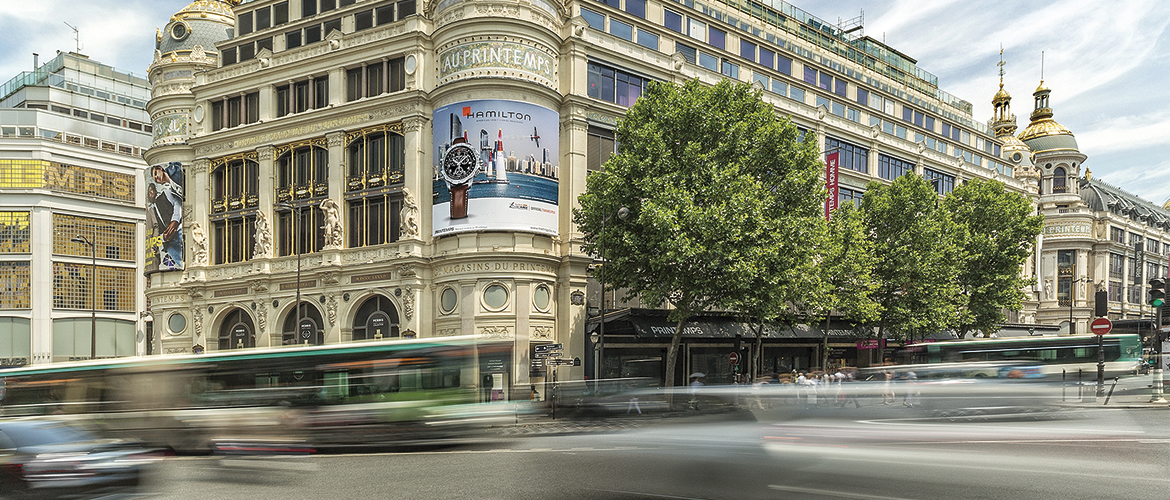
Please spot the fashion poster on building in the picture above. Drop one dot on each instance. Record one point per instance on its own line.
(496, 167)
(164, 216)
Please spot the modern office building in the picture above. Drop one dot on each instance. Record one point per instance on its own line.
(72, 134)
(409, 168)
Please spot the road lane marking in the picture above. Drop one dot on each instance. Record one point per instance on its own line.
(839, 494)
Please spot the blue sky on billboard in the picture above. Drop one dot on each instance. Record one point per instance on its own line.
(1105, 63)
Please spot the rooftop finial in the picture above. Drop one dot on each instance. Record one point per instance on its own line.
(1041, 66)
(1000, 64)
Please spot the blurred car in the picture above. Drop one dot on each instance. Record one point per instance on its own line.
(47, 459)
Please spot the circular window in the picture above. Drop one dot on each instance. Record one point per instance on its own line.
(541, 298)
(495, 297)
(177, 323)
(179, 31)
(447, 300)
(1017, 157)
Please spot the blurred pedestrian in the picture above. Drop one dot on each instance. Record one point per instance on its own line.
(888, 396)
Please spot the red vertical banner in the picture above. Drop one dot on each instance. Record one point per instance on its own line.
(831, 171)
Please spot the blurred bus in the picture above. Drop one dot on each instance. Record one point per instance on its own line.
(1042, 356)
(349, 394)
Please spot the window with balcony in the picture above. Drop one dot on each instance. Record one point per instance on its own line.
(302, 170)
(375, 157)
(1059, 181)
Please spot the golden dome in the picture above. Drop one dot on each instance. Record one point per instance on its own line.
(1043, 127)
(1041, 88)
(1001, 95)
(212, 10)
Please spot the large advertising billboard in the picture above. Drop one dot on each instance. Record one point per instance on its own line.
(164, 217)
(496, 167)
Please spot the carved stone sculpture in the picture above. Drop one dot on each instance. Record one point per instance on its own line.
(409, 215)
(263, 247)
(333, 231)
(199, 240)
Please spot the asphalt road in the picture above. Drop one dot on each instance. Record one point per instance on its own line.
(1090, 454)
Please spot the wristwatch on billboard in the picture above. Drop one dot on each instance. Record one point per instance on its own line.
(460, 164)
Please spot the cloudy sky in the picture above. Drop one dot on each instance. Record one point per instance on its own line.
(1106, 63)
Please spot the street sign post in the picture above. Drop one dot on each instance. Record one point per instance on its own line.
(1101, 326)
(549, 347)
(734, 358)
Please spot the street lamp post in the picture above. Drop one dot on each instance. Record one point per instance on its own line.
(296, 213)
(622, 214)
(1072, 295)
(93, 296)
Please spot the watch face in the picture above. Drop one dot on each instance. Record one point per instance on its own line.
(460, 164)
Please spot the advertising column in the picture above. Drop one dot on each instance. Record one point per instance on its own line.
(496, 167)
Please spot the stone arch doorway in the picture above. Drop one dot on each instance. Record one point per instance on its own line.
(376, 319)
(237, 331)
(310, 330)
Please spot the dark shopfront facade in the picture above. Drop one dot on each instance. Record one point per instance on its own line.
(636, 342)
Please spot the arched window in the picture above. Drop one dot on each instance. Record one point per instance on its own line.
(237, 331)
(376, 319)
(1059, 181)
(310, 331)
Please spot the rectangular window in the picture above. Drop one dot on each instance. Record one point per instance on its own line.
(613, 85)
(384, 14)
(647, 39)
(363, 20)
(328, 5)
(313, 34)
(600, 146)
(672, 21)
(244, 23)
(697, 29)
(301, 96)
(784, 65)
(252, 107)
(863, 97)
(636, 8)
(918, 116)
(593, 19)
(850, 156)
(907, 114)
(263, 18)
(229, 56)
(839, 87)
(374, 77)
(320, 92)
(747, 50)
(406, 8)
(943, 183)
(810, 75)
(849, 196)
(797, 94)
(826, 81)
(329, 26)
(708, 61)
(689, 53)
(292, 39)
(766, 58)
(717, 38)
(216, 115)
(308, 8)
(729, 69)
(621, 30)
(929, 123)
(757, 77)
(280, 13)
(890, 168)
(247, 52)
(779, 88)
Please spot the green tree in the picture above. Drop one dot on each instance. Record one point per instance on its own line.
(719, 191)
(997, 229)
(845, 274)
(917, 256)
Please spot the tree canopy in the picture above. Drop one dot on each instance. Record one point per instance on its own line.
(917, 254)
(723, 202)
(997, 230)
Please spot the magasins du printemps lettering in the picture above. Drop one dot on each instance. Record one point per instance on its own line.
(472, 267)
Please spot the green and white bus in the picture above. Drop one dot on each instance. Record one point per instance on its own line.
(1049, 356)
(348, 394)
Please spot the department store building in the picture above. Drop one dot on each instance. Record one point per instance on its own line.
(409, 168)
(72, 133)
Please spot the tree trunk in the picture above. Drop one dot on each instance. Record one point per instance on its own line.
(825, 343)
(671, 358)
(759, 357)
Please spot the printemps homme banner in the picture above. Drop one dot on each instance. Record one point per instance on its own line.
(496, 167)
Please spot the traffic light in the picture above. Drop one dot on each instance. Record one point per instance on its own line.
(1157, 293)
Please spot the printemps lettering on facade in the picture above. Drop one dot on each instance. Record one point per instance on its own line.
(472, 267)
(495, 55)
